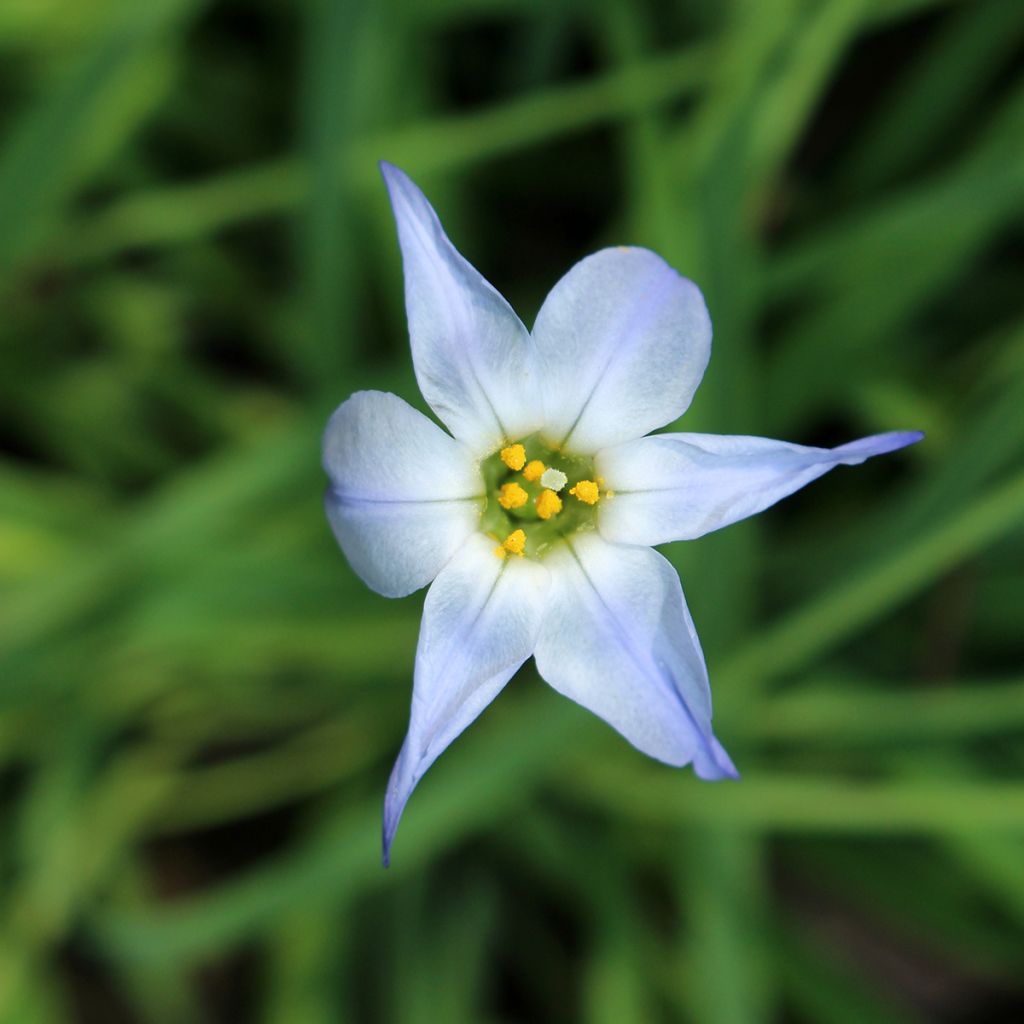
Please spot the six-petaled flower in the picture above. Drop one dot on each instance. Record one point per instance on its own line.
(534, 519)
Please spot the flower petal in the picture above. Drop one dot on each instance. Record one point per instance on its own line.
(618, 639)
(403, 497)
(474, 358)
(623, 341)
(480, 623)
(680, 486)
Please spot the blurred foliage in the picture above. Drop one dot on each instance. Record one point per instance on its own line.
(200, 702)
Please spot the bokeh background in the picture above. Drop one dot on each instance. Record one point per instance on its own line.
(200, 703)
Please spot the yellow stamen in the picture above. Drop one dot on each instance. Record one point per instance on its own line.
(534, 471)
(500, 551)
(585, 491)
(515, 543)
(512, 496)
(514, 456)
(548, 504)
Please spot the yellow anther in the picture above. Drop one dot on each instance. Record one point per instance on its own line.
(512, 495)
(514, 456)
(585, 491)
(515, 543)
(500, 551)
(548, 504)
(534, 471)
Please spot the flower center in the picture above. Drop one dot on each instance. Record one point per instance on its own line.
(536, 494)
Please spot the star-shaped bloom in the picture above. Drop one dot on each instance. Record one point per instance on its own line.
(533, 520)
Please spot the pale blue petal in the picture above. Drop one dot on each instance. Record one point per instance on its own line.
(618, 639)
(403, 497)
(680, 486)
(474, 359)
(480, 623)
(623, 341)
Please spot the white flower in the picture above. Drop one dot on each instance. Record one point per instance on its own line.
(533, 519)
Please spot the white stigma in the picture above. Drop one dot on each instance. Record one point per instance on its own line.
(553, 479)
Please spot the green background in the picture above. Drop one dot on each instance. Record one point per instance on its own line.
(200, 703)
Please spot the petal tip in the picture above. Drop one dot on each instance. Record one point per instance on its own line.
(713, 764)
(864, 448)
(894, 440)
(401, 783)
(402, 189)
(393, 808)
(403, 192)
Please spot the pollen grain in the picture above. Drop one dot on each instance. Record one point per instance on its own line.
(548, 504)
(512, 496)
(534, 471)
(515, 543)
(514, 456)
(585, 491)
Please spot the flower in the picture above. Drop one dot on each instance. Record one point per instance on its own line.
(533, 520)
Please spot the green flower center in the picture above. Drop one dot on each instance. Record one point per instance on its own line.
(536, 495)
